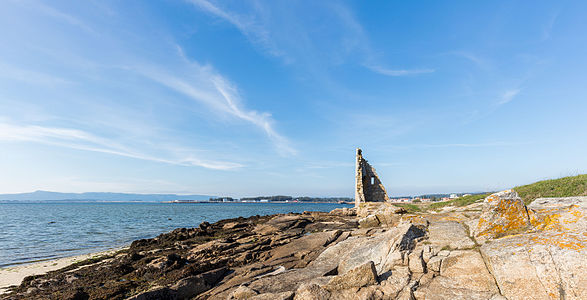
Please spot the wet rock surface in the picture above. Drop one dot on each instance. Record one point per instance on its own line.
(498, 249)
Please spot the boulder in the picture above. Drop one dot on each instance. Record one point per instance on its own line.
(274, 296)
(467, 269)
(559, 214)
(442, 288)
(549, 261)
(188, 287)
(428, 252)
(348, 294)
(434, 263)
(416, 220)
(369, 221)
(306, 244)
(311, 291)
(344, 211)
(416, 263)
(382, 249)
(395, 282)
(280, 223)
(234, 225)
(504, 213)
(242, 292)
(386, 212)
(211, 248)
(155, 293)
(449, 234)
(363, 275)
(463, 275)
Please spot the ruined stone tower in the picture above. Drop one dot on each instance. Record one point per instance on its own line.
(368, 187)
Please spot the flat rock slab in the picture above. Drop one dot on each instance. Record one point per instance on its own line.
(538, 266)
(343, 257)
(449, 234)
(363, 275)
(463, 275)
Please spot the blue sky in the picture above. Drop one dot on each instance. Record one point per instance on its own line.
(244, 98)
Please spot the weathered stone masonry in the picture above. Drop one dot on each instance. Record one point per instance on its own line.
(368, 187)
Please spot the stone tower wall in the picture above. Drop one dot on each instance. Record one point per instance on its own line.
(368, 187)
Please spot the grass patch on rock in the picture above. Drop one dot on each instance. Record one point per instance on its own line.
(561, 187)
(423, 207)
(461, 201)
(411, 208)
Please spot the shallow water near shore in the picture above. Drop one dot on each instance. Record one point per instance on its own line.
(33, 232)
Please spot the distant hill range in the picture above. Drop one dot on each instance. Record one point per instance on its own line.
(111, 197)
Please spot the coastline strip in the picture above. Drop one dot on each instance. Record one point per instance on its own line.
(14, 275)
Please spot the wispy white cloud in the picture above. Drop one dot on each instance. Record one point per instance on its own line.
(178, 73)
(262, 120)
(547, 31)
(206, 86)
(476, 59)
(263, 28)
(508, 96)
(59, 15)
(10, 72)
(255, 31)
(81, 140)
(398, 72)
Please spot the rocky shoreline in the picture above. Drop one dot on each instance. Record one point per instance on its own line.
(497, 249)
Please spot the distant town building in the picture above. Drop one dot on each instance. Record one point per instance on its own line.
(222, 199)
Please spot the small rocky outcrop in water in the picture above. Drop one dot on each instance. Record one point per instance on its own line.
(500, 249)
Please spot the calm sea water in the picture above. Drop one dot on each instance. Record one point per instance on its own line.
(32, 232)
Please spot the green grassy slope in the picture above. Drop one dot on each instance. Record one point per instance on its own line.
(461, 201)
(561, 187)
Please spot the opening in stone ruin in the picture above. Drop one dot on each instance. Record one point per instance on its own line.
(372, 180)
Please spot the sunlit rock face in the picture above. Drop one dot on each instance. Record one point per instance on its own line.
(504, 213)
(547, 260)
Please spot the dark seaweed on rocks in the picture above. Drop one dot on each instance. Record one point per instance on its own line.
(183, 263)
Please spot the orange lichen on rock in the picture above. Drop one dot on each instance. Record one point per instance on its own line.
(452, 218)
(558, 220)
(417, 221)
(562, 240)
(504, 214)
(561, 226)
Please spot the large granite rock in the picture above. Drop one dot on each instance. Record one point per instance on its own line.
(449, 235)
(311, 291)
(386, 213)
(549, 261)
(385, 250)
(363, 275)
(463, 275)
(504, 213)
